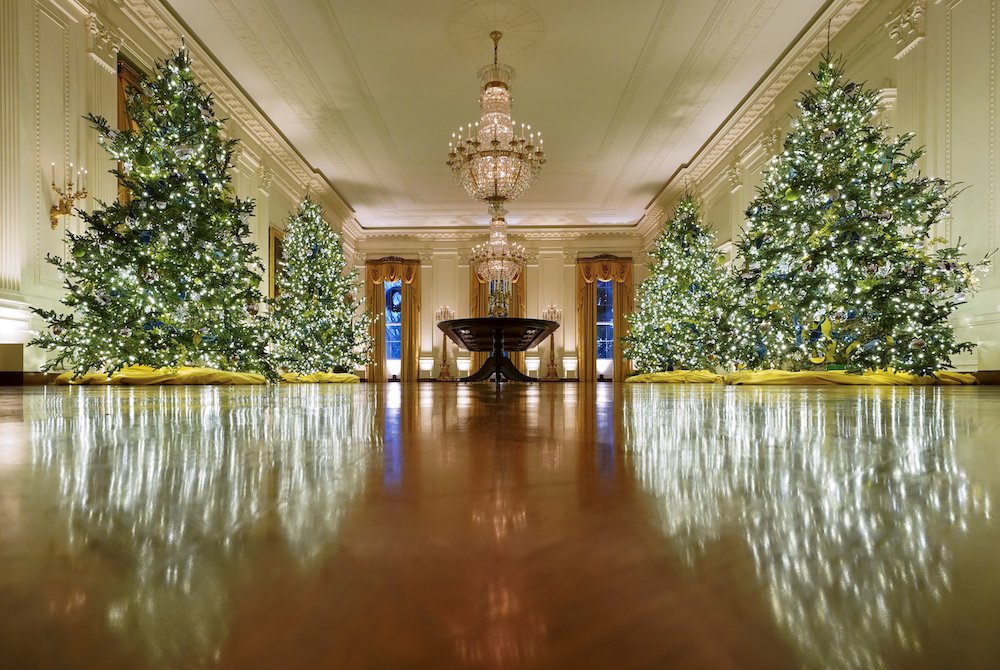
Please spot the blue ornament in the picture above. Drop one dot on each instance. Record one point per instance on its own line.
(145, 236)
(869, 345)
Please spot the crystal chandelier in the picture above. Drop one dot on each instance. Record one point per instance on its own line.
(497, 259)
(487, 158)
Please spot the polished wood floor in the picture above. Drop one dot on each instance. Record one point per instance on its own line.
(550, 526)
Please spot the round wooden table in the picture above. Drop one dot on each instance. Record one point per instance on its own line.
(497, 335)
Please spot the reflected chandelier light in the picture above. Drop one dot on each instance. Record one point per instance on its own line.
(486, 158)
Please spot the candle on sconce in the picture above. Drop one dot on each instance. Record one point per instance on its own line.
(66, 194)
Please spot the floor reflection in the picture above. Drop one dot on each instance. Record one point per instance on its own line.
(441, 525)
(849, 503)
(171, 486)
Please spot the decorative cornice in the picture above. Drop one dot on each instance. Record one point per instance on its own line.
(439, 235)
(908, 27)
(349, 229)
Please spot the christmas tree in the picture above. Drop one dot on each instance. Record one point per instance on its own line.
(680, 304)
(166, 277)
(838, 262)
(315, 326)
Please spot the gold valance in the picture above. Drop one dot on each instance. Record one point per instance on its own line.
(392, 269)
(605, 268)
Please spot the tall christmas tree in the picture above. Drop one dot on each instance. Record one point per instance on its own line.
(680, 304)
(167, 277)
(839, 266)
(315, 326)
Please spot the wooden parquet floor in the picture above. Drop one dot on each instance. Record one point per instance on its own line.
(551, 526)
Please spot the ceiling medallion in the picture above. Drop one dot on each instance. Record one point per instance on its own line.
(522, 26)
(495, 164)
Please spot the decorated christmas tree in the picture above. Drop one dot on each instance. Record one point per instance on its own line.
(315, 326)
(839, 265)
(167, 277)
(680, 305)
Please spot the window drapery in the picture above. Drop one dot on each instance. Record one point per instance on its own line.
(376, 274)
(589, 272)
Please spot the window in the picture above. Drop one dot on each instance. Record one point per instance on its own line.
(605, 321)
(393, 320)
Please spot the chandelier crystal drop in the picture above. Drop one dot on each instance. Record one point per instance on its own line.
(497, 259)
(489, 159)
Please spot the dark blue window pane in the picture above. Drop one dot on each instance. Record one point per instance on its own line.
(605, 319)
(393, 320)
(605, 311)
(605, 341)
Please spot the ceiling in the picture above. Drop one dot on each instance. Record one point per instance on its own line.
(370, 91)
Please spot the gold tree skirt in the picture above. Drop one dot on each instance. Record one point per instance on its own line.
(677, 377)
(320, 378)
(143, 375)
(806, 378)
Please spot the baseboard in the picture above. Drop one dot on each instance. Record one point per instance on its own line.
(988, 377)
(27, 378)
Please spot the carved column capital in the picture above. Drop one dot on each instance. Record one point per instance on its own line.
(264, 177)
(908, 27)
(772, 141)
(734, 175)
(104, 41)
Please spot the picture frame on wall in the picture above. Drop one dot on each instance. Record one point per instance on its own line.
(276, 259)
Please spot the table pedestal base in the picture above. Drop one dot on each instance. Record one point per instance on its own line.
(498, 364)
(502, 367)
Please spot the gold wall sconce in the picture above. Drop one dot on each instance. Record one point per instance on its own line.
(67, 196)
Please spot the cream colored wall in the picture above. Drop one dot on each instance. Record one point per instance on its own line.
(444, 267)
(939, 77)
(58, 61)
